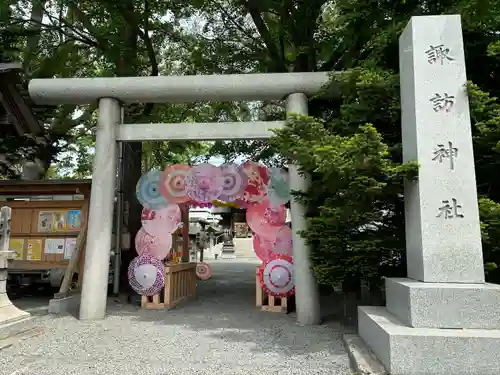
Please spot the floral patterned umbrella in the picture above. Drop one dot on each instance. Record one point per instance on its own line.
(283, 243)
(276, 276)
(159, 247)
(172, 183)
(262, 247)
(204, 183)
(146, 275)
(148, 191)
(234, 182)
(266, 220)
(258, 178)
(159, 222)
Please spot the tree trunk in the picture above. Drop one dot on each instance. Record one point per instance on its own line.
(34, 39)
(132, 151)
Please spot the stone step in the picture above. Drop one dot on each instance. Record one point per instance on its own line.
(16, 326)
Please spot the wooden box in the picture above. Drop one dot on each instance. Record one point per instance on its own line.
(271, 303)
(180, 284)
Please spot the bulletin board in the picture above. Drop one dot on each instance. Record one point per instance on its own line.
(44, 232)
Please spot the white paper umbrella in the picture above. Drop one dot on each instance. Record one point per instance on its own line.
(276, 276)
(146, 275)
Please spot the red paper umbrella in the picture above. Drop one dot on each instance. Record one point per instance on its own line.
(234, 182)
(262, 247)
(266, 220)
(258, 178)
(276, 276)
(283, 243)
(146, 275)
(159, 222)
(172, 185)
(148, 191)
(204, 183)
(203, 271)
(146, 244)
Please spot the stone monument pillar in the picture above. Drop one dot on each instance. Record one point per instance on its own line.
(442, 319)
(9, 314)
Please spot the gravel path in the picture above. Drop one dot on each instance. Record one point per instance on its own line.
(220, 333)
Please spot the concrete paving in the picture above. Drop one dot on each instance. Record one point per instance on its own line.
(221, 332)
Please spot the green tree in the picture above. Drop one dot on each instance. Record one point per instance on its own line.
(360, 39)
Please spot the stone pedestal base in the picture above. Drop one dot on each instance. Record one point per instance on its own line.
(10, 315)
(431, 351)
(65, 305)
(443, 305)
(12, 319)
(435, 328)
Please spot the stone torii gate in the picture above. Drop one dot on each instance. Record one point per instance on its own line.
(112, 93)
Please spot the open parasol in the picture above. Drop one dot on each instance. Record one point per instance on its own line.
(234, 182)
(148, 191)
(264, 219)
(146, 275)
(162, 221)
(276, 276)
(204, 183)
(283, 243)
(159, 247)
(262, 247)
(172, 183)
(203, 271)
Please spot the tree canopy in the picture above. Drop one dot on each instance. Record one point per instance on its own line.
(351, 144)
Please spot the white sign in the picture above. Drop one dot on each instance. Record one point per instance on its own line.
(54, 246)
(69, 247)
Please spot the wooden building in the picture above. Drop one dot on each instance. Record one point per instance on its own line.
(16, 115)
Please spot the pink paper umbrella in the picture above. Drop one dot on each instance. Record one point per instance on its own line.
(266, 220)
(234, 182)
(204, 183)
(283, 243)
(159, 222)
(203, 271)
(172, 185)
(258, 178)
(276, 276)
(146, 275)
(262, 247)
(159, 247)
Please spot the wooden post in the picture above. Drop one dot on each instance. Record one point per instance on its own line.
(5, 217)
(73, 262)
(5, 222)
(185, 232)
(81, 258)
